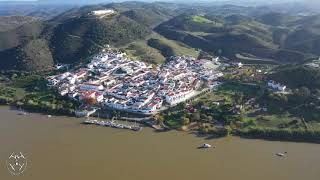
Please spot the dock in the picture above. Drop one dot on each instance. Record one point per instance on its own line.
(113, 124)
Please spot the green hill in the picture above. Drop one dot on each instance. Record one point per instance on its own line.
(304, 41)
(80, 37)
(156, 49)
(35, 55)
(151, 14)
(230, 31)
(12, 22)
(277, 19)
(297, 76)
(74, 35)
(21, 34)
(285, 41)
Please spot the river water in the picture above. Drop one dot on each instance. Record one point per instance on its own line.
(59, 148)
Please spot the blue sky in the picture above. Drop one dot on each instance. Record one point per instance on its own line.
(265, 1)
(158, 0)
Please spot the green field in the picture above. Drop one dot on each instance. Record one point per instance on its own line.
(245, 89)
(200, 19)
(157, 53)
(255, 60)
(141, 51)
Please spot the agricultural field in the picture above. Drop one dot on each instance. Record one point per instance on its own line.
(200, 19)
(155, 49)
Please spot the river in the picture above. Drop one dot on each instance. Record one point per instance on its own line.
(60, 148)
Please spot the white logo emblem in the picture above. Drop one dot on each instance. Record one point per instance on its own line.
(16, 163)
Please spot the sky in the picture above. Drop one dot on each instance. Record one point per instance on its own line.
(311, 2)
(164, 0)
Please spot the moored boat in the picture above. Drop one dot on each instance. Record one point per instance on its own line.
(281, 154)
(205, 145)
(90, 121)
(112, 124)
(22, 112)
(136, 128)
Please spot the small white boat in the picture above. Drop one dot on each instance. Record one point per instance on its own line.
(22, 112)
(49, 116)
(205, 146)
(136, 128)
(89, 121)
(281, 154)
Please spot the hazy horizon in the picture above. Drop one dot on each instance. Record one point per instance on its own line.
(93, 1)
(312, 4)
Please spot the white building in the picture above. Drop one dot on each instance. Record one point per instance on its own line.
(215, 59)
(102, 12)
(64, 92)
(93, 87)
(72, 79)
(64, 75)
(276, 86)
(173, 99)
(73, 95)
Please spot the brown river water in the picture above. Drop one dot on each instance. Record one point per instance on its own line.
(60, 148)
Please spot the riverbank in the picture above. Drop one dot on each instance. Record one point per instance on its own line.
(272, 134)
(220, 109)
(292, 135)
(91, 152)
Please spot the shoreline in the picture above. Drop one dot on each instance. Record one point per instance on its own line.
(268, 134)
(296, 135)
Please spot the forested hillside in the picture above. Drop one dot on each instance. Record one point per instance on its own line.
(32, 44)
(247, 34)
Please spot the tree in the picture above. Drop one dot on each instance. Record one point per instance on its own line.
(228, 130)
(317, 92)
(160, 119)
(185, 121)
(203, 117)
(238, 98)
(209, 118)
(182, 106)
(302, 94)
(195, 117)
(275, 100)
(200, 104)
(14, 76)
(114, 113)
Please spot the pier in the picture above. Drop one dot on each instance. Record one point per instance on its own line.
(113, 124)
